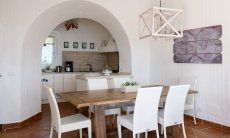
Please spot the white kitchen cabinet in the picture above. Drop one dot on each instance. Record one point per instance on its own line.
(58, 84)
(48, 80)
(110, 83)
(82, 85)
(70, 82)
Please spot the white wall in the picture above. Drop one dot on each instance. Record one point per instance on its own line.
(212, 102)
(25, 24)
(88, 31)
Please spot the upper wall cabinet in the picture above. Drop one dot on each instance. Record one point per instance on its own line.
(109, 46)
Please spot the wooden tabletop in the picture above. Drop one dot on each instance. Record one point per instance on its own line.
(103, 97)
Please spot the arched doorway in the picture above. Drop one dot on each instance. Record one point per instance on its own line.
(40, 29)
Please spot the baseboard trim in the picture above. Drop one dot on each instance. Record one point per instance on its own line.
(5, 127)
(209, 123)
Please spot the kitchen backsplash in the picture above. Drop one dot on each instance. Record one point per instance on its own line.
(97, 60)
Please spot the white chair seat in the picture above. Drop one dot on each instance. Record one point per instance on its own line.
(161, 116)
(128, 107)
(126, 121)
(188, 106)
(74, 122)
(111, 110)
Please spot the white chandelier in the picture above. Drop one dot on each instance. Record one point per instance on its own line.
(161, 22)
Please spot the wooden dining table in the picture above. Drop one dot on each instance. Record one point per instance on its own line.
(100, 98)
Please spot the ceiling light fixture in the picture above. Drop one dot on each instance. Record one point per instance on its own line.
(161, 22)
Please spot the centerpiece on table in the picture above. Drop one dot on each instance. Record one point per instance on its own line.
(130, 86)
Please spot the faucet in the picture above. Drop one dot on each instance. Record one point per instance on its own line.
(90, 67)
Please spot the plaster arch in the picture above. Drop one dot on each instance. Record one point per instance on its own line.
(30, 102)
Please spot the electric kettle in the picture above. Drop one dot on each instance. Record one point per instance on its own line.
(59, 68)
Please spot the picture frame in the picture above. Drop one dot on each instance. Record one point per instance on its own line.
(75, 45)
(66, 44)
(84, 45)
(92, 46)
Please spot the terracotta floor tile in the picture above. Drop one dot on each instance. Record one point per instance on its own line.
(41, 128)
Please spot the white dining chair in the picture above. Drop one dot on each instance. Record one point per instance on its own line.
(145, 115)
(117, 82)
(98, 84)
(173, 113)
(190, 99)
(65, 124)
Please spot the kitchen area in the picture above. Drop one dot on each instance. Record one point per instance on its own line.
(75, 51)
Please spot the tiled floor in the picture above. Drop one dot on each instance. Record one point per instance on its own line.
(41, 128)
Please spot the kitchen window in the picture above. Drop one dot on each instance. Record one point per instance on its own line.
(48, 52)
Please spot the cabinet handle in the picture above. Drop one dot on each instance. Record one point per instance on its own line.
(0, 76)
(44, 80)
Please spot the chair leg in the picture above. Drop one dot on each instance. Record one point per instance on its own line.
(59, 134)
(80, 133)
(138, 135)
(162, 129)
(157, 133)
(146, 134)
(51, 132)
(194, 116)
(134, 135)
(184, 130)
(89, 132)
(165, 134)
(119, 130)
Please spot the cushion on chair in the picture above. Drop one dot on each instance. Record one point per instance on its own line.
(74, 122)
(110, 110)
(126, 121)
(128, 107)
(188, 106)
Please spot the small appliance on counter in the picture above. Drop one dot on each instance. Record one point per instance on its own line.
(69, 66)
(59, 68)
(106, 70)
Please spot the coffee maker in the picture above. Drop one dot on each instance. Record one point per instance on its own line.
(69, 66)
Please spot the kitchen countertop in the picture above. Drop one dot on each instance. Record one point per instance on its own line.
(80, 73)
(99, 75)
(88, 75)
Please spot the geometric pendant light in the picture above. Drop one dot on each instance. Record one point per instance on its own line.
(161, 22)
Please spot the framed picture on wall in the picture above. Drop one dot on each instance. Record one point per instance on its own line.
(84, 45)
(66, 44)
(92, 46)
(75, 45)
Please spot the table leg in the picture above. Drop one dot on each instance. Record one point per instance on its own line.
(100, 127)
